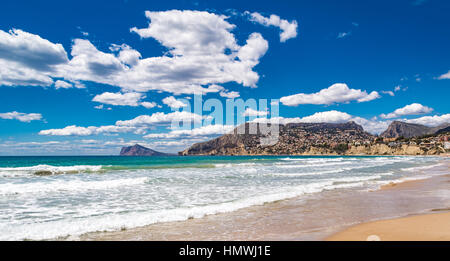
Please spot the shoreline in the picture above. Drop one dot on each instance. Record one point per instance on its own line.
(432, 226)
(308, 217)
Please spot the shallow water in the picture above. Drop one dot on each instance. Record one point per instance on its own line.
(49, 197)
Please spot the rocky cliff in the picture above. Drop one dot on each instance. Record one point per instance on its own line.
(402, 129)
(138, 150)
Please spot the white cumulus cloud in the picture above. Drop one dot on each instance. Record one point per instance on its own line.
(124, 99)
(62, 84)
(229, 94)
(254, 113)
(119, 99)
(208, 130)
(288, 29)
(74, 130)
(27, 59)
(391, 93)
(138, 125)
(431, 121)
(149, 105)
(411, 109)
(173, 103)
(162, 118)
(202, 50)
(336, 93)
(20, 116)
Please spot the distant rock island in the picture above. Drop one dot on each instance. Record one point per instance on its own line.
(349, 138)
(138, 150)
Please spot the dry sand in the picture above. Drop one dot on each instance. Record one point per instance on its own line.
(430, 227)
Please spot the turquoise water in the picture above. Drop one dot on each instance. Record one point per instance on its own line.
(49, 197)
(128, 162)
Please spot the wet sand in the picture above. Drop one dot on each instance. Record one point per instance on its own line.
(309, 217)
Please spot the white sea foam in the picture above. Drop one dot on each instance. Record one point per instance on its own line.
(63, 228)
(314, 159)
(299, 174)
(72, 227)
(422, 167)
(229, 165)
(18, 171)
(63, 185)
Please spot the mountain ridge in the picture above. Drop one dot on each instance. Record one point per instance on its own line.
(325, 139)
(403, 129)
(332, 135)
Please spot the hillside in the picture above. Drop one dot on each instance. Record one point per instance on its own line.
(328, 139)
(294, 138)
(402, 129)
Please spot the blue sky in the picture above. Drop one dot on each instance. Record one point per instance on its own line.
(74, 79)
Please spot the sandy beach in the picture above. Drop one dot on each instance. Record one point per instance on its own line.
(411, 210)
(427, 227)
(430, 227)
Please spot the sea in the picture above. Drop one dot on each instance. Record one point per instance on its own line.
(59, 197)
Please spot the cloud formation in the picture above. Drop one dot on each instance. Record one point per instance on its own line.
(123, 99)
(411, 109)
(202, 51)
(173, 103)
(119, 99)
(288, 29)
(27, 59)
(74, 130)
(138, 125)
(391, 93)
(254, 113)
(444, 76)
(373, 125)
(20, 116)
(431, 121)
(158, 118)
(336, 93)
(223, 92)
(343, 35)
(62, 84)
(204, 131)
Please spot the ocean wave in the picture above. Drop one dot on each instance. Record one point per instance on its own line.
(150, 167)
(228, 165)
(74, 227)
(422, 167)
(316, 159)
(353, 165)
(360, 178)
(308, 165)
(65, 185)
(49, 170)
(45, 170)
(62, 228)
(208, 187)
(299, 174)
